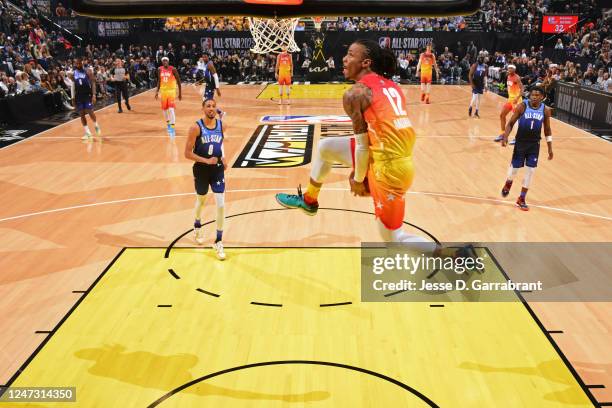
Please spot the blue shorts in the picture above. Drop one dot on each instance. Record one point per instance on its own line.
(84, 105)
(477, 91)
(209, 94)
(209, 175)
(525, 154)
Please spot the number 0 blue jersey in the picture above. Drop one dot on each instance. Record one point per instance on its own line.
(210, 142)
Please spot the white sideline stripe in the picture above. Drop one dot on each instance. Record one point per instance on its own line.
(74, 207)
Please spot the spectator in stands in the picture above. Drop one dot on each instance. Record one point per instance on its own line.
(23, 85)
(159, 54)
(559, 44)
(4, 87)
(402, 66)
(331, 65)
(45, 83)
(607, 82)
(60, 11)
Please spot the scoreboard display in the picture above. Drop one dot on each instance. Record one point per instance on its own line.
(559, 24)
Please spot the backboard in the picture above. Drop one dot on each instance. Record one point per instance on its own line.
(273, 8)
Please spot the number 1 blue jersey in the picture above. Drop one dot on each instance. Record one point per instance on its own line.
(210, 142)
(530, 123)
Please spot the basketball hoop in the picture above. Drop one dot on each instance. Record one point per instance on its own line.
(270, 34)
(317, 22)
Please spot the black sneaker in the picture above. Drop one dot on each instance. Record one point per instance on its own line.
(470, 111)
(120, 110)
(127, 105)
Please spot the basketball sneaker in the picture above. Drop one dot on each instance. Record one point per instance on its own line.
(169, 128)
(470, 111)
(218, 247)
(422, 97)
(513, 141)
(506, 189)
(427, 100)
(499, 138)
(198, 233)
(476, 115)
(98, 131)
(521, 204)
(297, 201)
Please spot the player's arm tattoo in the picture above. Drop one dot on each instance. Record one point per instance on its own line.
(356, 100)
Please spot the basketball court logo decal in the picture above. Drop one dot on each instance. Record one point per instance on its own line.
(279, 145)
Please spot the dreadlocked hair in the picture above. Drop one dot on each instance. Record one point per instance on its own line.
(383, 60)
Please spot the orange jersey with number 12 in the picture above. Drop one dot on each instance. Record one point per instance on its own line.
(389, 129)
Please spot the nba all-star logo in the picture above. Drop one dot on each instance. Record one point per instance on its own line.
(278, 145)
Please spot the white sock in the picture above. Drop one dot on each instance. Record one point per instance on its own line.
(220, 201)
(529, 171)
(330, 151)
(172, 118)
(199, 205)
(419, 244)
(473, 101)
(96, 125)
(512, 172)
(87, 132)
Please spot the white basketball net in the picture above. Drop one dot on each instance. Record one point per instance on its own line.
(271, 34)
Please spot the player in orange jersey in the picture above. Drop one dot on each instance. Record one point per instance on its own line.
(381, 148)
(427, 62)
(515, 97)
(283, 73)
(168, 81)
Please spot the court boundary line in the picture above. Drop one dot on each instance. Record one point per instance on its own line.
(547, 334)
(42, 344)
(392, 380)
(448, 195)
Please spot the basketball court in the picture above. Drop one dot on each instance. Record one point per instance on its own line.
(105, 290)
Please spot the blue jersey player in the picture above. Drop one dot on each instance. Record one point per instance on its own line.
(532, 115)
(210, 81)
(478, 80)
(84, 95)
(205, 147)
